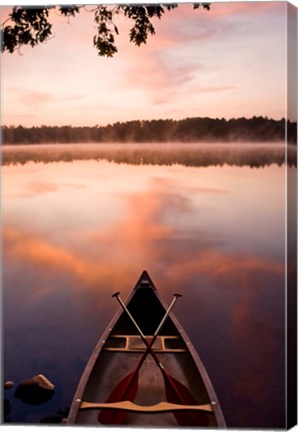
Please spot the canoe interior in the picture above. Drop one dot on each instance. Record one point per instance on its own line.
(120, 352)
(147, 311)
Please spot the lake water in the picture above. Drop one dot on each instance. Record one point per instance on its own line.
(81, 222)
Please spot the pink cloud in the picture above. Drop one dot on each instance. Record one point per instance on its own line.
(219, 10)
(36, 97)
(158, 69)
(160, 78)
(212, 89)
(208, 190)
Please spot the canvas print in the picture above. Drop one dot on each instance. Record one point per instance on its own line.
(149, 222)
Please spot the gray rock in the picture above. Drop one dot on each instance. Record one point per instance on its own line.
(36, 390)
(8, 384)
(43, 382)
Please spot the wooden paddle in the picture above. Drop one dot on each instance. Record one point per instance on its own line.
(127, 388)
(176, 392)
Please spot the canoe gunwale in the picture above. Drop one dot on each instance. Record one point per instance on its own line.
(75, 405)
(201, 368)
(204, 375)
(90, 365)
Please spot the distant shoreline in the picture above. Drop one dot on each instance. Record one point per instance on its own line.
(191, 155)
(190, 130)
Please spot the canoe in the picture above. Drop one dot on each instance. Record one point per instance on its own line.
(170, 388)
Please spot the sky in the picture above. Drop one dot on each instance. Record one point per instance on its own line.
(227, 62)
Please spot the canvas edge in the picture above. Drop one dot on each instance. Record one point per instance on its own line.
(291, 220)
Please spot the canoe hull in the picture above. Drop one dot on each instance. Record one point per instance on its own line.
(120, 349)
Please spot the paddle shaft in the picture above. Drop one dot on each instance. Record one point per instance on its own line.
(176, 392)
(149, 344)
(127, 388)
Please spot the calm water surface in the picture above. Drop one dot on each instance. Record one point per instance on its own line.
(75, 232)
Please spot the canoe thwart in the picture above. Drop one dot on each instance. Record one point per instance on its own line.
(133, 343)
(149, 409)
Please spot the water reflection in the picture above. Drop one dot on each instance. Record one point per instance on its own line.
(75, 233)
(196, 155)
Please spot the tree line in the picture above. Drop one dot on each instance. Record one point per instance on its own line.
(198, 129)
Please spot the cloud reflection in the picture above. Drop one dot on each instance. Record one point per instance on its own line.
(146, 236)
(47, 256)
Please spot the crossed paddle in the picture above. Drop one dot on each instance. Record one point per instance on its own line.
(176, 392)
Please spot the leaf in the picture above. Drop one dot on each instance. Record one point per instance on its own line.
(69, 10)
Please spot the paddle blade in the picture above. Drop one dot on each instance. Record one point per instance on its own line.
(178, 393)
(126, 389)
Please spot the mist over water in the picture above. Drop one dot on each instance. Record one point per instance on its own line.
(200, 154)
(79, 223)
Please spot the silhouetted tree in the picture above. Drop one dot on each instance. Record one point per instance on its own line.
(31, 26)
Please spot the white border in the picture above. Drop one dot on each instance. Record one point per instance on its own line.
(22, 428)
